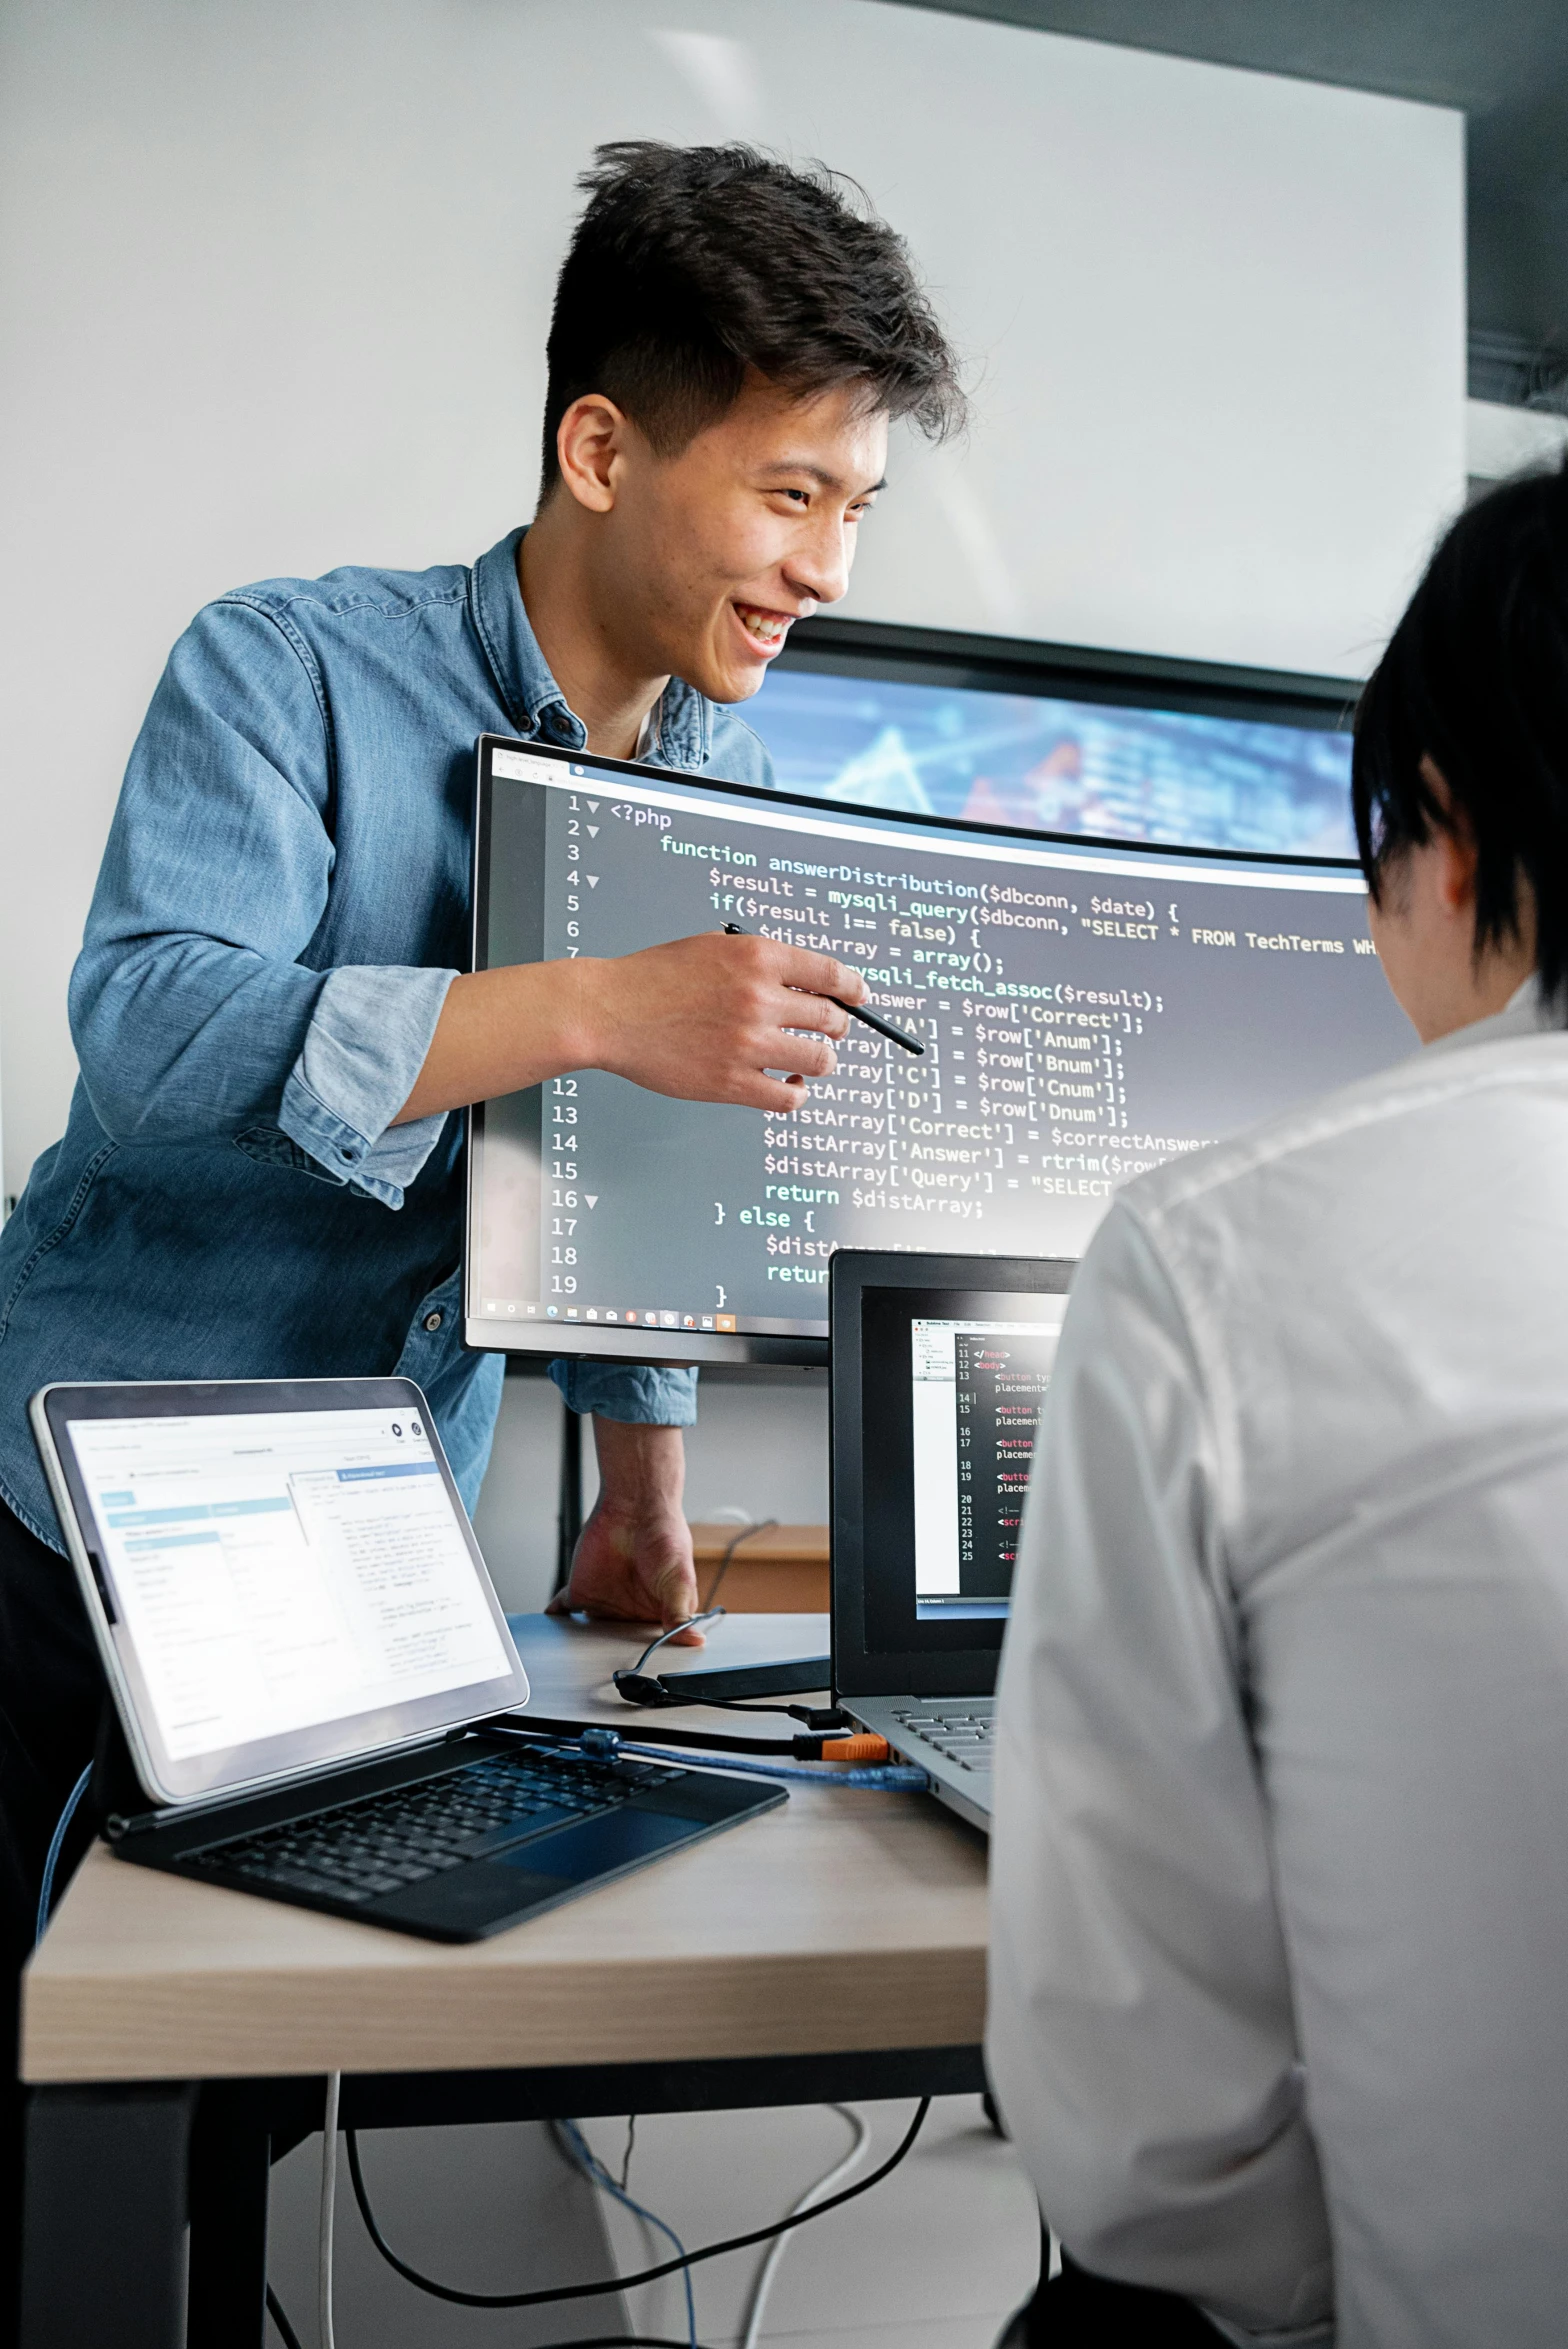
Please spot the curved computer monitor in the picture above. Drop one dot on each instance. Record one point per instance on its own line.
(1060, 738)
(1087, 1008)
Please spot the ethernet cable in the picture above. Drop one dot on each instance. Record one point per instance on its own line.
(769, 2269)
(582, 2154)
(329, 2191)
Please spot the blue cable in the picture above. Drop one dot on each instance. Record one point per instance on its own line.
(590, 2164)
(891, 1777)
(46, 1889)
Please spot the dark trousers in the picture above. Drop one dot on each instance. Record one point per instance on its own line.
(1076, 2310)
(51, 1698)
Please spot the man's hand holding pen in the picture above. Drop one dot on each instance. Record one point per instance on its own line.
(719, 1018)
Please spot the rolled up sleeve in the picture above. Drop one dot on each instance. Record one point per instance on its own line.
(365, 1045)
(633, 1392)
(1141, 2033)
(194, 1014)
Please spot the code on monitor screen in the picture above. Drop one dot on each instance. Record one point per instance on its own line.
(1086, 1012)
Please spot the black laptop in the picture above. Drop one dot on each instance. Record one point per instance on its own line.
(310, 1667)
(939, 1368)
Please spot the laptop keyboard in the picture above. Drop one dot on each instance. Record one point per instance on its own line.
(962, 1735)
(356, 1851)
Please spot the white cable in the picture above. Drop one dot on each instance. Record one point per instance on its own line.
(329, 2189)
(777, 2248)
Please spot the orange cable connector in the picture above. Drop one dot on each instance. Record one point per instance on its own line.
(856, 1749)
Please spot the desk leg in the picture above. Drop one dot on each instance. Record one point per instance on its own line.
(230, 2163)
(104, 2217)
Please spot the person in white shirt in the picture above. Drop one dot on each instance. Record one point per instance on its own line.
(1279, 1982)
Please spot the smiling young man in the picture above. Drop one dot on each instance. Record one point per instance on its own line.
(261, 1176)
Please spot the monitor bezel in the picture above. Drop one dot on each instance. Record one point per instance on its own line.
(672, 1348)
(896, 653)
(927, 1669)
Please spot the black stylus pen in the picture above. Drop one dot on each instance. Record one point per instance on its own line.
(855, 1011)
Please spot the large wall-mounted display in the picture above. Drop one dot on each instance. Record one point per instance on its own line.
(925, 723)
(1083, 1011)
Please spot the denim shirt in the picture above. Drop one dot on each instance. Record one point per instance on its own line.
(283, 904)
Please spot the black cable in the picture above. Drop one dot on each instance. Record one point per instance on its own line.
(801, 1749)
(623, 2341)
(820, 1717)
(737, 1705)
(744, 1535)
(649, 2275)
(291, 2339)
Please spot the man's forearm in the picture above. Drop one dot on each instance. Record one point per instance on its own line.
(710, 1018)
(642, 1469)
(500, 1032)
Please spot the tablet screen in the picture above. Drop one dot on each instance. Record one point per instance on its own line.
(285, 1585)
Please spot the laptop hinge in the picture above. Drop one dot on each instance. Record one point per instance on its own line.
(115, 1795)
(119, 1800)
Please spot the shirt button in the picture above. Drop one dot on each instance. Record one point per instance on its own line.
(433, 1322)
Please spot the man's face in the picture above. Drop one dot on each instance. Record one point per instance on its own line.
(707, 557)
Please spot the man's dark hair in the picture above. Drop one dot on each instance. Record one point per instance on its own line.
(1475, 679)
(692, 264)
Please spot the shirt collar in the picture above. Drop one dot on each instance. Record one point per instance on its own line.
(1524, 1014)
(683, 718)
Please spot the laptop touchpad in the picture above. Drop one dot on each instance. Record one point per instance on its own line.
(509, 1886)
(618, 1839)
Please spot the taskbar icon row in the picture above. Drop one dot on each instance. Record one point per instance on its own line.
(507, 1309)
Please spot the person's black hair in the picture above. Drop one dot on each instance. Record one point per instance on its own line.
(692, 264)
(1475, 682)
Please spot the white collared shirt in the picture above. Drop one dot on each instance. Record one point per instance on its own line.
(1279, 1987)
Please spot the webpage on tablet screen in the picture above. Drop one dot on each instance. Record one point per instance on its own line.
(278, 1570)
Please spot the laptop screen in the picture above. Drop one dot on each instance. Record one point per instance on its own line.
(284, 1587)
(941, 1365)
(976, 1388)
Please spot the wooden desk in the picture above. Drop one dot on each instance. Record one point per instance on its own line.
(176, 2033)
(773, 1569)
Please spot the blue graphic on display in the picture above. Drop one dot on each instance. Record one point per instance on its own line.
(1058, 766)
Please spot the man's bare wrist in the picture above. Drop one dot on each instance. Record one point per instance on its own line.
(642, 1469)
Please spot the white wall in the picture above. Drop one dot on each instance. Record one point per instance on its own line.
(274, 276)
